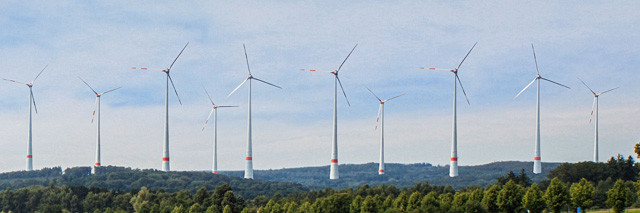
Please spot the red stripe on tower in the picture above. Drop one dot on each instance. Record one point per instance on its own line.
(334, 160)
(382, 170)
(249, 158)
(97, 164)
(165, 159)
(536, 158)
(214, 172)
(29, 156)
(454, 159)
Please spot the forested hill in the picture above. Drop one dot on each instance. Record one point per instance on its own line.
(400, 175)
(127, 179)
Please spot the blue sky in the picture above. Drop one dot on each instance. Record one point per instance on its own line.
(101, 41)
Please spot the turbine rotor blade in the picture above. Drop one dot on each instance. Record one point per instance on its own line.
(555, 83)
(94, 91)
(514, 98)
(205, 91)
(95, 106)
(33, 98)
(174, 60)
(234, 90)
(465, 57)
(402, 95)
(593, 106)
(585, 84)
(207, 121)
(111, 90)
(345, 59)
(227, 106)
(463, 92)
(246, 58)
(436, 69)
(45, 67)
(609, 90)
(378, 117)
(344, 93)
(315, 70)
(17, 82)
(144, 68)
(267, 82)
(372, 93)
(535, 59)
(174, 88)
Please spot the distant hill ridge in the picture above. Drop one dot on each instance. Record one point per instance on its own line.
(401, 175)
(268, 182)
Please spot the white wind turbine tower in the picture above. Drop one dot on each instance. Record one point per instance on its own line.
(333, 174)
(453, 168)
(381, 119)
(537, 160)
(214, 111)
(32, 104)
(97, 111)
(595, 107)
(248, 171)
(165, 148)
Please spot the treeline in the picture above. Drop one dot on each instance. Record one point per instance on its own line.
(83, 199)
(126, 179)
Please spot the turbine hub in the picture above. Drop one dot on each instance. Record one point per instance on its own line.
(165, 70)
(335, 72)
(381, 102)
(98, 95)
(250, 77)
(454, 70)
(596, 94)
(214, 106)
(538, 76)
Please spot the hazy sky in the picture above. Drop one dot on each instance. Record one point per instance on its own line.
(101, 41)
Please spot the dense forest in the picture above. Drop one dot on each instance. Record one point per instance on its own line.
(400, 175)
(587, 185)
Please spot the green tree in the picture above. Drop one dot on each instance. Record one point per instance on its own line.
(429, 202)
(557, 195)
(618, 196)
(510, 197)
(141, 201)
(414, 201)
(356, 204)
(227, 209)
(533, 200)
(369, 205)
(401, 202)
(444, 201)
(179, 209)
(490, 199)
(582, 194)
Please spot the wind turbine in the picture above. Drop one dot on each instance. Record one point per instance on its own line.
(381, 119)
(97, 109)
(32, 104)
(537, 164)
(214, 111)
(165, 148)
(453, 168)
(595, 106)
(248, 171)
(333, 174)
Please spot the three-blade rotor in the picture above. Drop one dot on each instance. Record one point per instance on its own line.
(167, 71)
(455, 72)
(381, 103)
(97, 96)
(336, 72)
(595, 95)
(538, 76)
(250, 75)
(33, 99)
(213, 108)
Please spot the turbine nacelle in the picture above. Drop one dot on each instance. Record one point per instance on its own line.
(30, 85)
